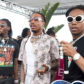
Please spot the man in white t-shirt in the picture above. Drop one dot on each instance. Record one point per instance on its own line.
(37, 52)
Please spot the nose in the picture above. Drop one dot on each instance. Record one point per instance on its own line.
(73, 22)
(32, 21)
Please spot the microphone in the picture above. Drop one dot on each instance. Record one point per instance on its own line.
(65, 58)
(66, 71)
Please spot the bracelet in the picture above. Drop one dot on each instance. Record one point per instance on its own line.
(16, 81)
(76, 56)
(21, 83)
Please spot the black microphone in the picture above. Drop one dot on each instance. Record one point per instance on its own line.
(66, 70)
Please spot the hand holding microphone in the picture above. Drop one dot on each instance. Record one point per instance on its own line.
(42, 69)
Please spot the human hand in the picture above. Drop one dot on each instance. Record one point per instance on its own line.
(68, 49)
(42, 69)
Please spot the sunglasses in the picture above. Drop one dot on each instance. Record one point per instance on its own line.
(35, 19)
(78, 18)
(2, 25)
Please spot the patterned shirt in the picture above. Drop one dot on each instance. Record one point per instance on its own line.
(45, 49)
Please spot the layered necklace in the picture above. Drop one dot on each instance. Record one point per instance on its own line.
(35, 38)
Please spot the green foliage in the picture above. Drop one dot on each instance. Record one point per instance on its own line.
(57, 28)
(48, 12)
(44, 10)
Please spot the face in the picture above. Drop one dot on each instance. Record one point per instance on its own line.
(3, 28)
(36, 23)
(76, 22)
(29, 33)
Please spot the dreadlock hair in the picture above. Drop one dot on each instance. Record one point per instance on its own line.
(9, 25)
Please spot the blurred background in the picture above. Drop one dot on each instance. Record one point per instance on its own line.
(18, 12)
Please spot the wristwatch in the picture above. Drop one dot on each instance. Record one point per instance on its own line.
(76, 56)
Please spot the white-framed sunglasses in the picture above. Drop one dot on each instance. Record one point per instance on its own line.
(78, 18)
(35, 19)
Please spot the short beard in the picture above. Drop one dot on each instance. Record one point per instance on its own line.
(35, 31)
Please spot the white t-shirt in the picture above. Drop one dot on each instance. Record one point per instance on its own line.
(30, 61)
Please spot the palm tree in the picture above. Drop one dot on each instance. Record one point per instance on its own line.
(48, 11)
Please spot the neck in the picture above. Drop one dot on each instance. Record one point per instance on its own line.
(76, 36)
(36, 33)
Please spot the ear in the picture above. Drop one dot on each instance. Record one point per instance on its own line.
(43, 23)
(8, 28)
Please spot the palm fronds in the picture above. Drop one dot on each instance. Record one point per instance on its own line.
(48, 12)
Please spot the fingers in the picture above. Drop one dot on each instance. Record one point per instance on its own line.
(64, 46)
(42, 69)
(67, 48)
(63, 42)
(44, 65)
(40, 72)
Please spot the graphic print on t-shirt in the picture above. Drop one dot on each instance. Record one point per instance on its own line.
(6, 55)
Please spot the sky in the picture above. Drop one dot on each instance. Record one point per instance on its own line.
(19, 22)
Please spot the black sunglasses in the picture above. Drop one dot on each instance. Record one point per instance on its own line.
(78, 18)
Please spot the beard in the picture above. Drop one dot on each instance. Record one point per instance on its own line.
(35, 31)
